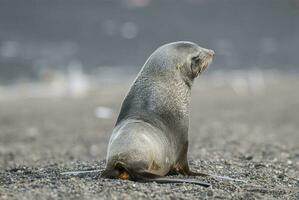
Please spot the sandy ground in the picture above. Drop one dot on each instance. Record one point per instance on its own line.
(240, 130)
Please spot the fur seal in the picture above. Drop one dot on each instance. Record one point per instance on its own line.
(150, 137)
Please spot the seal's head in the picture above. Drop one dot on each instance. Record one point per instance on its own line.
(184, 58)
(195, 59)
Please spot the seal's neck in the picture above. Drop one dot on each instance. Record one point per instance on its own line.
(162, 99)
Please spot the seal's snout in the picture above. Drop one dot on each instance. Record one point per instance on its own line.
(211, 52)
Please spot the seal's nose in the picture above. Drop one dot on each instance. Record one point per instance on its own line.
(211, 52)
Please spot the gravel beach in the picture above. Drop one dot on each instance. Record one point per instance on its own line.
(244, 127)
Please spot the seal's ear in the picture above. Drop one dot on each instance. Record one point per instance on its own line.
(195, 66)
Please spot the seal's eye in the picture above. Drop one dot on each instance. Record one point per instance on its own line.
(195, 59)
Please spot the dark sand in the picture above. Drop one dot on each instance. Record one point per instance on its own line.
(250, 134)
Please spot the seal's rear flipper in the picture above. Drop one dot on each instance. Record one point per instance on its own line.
(121, 171)
(138, 178)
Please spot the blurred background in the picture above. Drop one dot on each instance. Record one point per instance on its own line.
(66, 65)
(85, 54)
(40, 39)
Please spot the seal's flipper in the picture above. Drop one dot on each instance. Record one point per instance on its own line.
(117, 170)
(121, 171)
